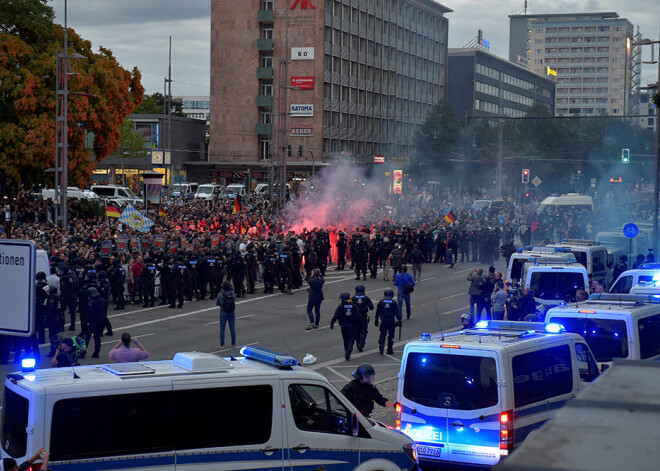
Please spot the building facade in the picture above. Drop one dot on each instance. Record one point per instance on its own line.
(590, 53)
(333, 79)
(196, 107)
(481, 84)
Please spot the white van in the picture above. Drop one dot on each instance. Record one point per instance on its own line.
(209, 191)
(234, 189)
(567, 202)
(471, 397)
(116, 194)
(614, 326)
(42, 262)
(185, 190)
(195, 412)
(519, 258)
(646, 273)
(554, 281)
(488, 204)
(71, 192)
(592, 255)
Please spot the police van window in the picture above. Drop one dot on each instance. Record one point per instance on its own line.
(469, 381)
(581, 257)
(241, 415)
(607, 338)
(649, 336)
(541, 375)
(516, 268)
(644, 279)
(586, 363)
(14, 423)
(602, 258)
(556, 285)
(623, 285)
(315, 409)
(90, 427)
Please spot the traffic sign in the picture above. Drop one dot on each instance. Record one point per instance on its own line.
(630, 230)
(17, 284)
(536, 181)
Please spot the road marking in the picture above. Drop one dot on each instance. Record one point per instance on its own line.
(393, 358)
(345, 378)
(239, 317)
(218, 350)
(115, 341)
(318, 328)
(453, 296)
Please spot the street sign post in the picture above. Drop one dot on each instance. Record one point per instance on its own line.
(536, 181)
(17, 284)
(630, 230)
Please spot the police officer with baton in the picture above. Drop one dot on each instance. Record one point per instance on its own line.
(389, 316)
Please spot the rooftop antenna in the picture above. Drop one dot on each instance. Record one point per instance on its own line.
(525, 9)
(442, 334)
(287, 347)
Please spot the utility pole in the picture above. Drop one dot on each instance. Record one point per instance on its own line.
(169, 109)
(282, 115)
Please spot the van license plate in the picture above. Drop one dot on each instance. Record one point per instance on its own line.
(428, 450)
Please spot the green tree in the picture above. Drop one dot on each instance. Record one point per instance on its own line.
(155, 104)
(102, 95)
(436, 141)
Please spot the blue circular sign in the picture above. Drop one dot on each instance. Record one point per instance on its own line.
(630, 230)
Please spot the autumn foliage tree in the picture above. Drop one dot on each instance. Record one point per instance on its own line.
(101, 95)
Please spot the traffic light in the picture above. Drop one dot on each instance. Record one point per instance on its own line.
(525, 175)
(288, 150)
(300, 151)
(625, 156)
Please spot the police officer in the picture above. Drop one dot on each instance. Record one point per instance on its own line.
(93, 324)
(69, 293)
(323, 250)
(374, 254)
(360, 258)
(117, 279)
(284, 268)
(237, 270)
(620, 267)
(341, 251)
(166, 270)
(364, 305)
(252, 265)
(192, 285)
(389, 317)
(104, 291)
(310, 260)
(361, 391)
(206, 271)
(40, 306)
(181, 280)
(270, 270)
(83, 298)
(347, 316)
(53, 312)
(148, 280)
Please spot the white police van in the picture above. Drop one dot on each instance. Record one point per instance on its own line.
(614, 325)
(195, 412)
(470, 397)
(645, 273)
(592, 255)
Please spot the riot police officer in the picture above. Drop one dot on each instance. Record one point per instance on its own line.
(104, 291)
(148, 281)
(181, 279)
(360, 258)
(117, 279)
(364, 305)
(192, 285)
(347, 316)
(95, 320)
(341, 251)
(270, 270)
(389, 317)
(166, 271)
(361, 391)
(206, 272)
(284, 268)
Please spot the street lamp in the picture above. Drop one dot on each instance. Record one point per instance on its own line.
(656, 166)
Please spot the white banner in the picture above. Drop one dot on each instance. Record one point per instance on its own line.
(302, 110)
(302, 53)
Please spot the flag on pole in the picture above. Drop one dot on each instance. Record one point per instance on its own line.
(111, 211)
(132, 217)
(162, 213)
(450, 217)
(237, 205)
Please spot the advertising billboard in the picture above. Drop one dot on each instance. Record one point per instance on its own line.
(303, 83)
(301, 110)
(397, 181)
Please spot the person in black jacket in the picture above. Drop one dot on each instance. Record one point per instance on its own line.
(362, 393)
(341, 251)
(315, 298)
(347, 316)
(95, 320)
(364, 305)
(387, 313)
(148, 280)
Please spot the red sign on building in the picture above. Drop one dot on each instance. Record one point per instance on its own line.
(303, 83)
(379, 159)
(304, 4)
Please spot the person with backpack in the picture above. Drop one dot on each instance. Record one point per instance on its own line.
(417, 258)
(406, 285)
(226, 300)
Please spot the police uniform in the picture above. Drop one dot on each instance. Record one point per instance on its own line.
(347, 316)
(389, 316)
(364, 305)
(148, 280)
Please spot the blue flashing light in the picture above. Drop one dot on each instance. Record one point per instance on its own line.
(616, 334)
(562, 304)
(28, 364)
(554, 328)
(536, 263)
(481, 325)
(519, 249)
(424, 360)
(656, 278)
(562, 249)
(426, 336)
(268, 356)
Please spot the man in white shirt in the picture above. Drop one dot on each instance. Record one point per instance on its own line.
(53, 279)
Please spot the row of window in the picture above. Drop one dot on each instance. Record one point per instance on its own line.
(408, 16)
(368, 123)
(574, 50)
(579, 60)
(360, 148)
(511, 80)
(196, 105)
(383, 76)
(391, 102)
(577, 29)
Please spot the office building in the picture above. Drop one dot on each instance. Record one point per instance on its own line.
(481, 84)
(196, 107)
(590, 53)
(344, 79)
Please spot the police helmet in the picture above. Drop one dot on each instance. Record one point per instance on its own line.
(389, 294)
(344, 297)
(103, 275)
(365, 369)
(92, 292)
(63, 269)
(467, 316)
(78, 261)
(41, 276)
(359, 289)
(91, 276)
(50, 289)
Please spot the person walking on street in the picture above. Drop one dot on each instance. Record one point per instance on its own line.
(474, 291)
(389, 317)
(361, 391)
(417, 259)
(406, 284)
(226, 300)
(498, 299)
(124, 353)
(315, 298)
(364, 305)
(347, 316)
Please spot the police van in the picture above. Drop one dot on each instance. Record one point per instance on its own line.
(592, 255)
(614, 326)
(645, 273)
(195, 412)
(554, 281)
(519, 258)
(470, 397)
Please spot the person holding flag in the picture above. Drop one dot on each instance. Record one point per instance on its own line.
(450, 217)
(237, 205)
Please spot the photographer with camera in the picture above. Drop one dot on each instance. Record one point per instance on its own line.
(124, 353)
(9, 464)
(63, 354)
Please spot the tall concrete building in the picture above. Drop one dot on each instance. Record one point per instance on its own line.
(342, 78)
(590, 53)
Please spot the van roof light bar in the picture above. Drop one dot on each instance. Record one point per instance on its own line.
(269, 357)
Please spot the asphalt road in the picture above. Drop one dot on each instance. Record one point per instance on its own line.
(278, 322)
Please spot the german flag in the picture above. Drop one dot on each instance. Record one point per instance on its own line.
(162, 213)
(450, 217)
(112, 212)
(237, 205)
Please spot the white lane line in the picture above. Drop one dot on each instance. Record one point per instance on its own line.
(117, 340)
(238, 349)
(463, 271)
(301, 305)
(239, 317)
(318, 328)
(392, 358)
(454, 296)
(345, 378)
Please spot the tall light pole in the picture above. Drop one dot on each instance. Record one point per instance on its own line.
(656, 165)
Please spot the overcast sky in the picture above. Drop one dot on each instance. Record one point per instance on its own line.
(138, 31)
